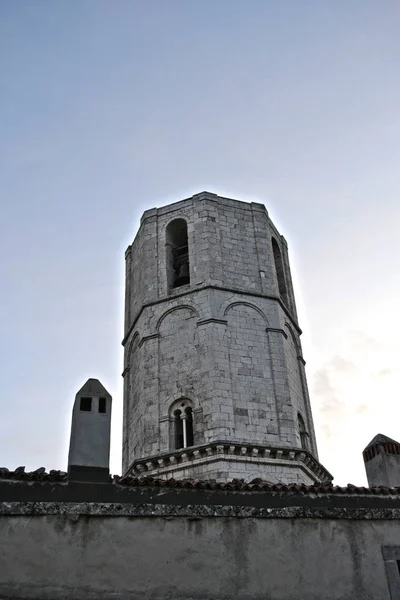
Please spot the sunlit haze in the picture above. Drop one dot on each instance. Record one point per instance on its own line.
(112, 108)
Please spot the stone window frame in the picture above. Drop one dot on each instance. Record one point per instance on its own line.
(181, 406)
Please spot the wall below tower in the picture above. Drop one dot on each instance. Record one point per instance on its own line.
(91, 551)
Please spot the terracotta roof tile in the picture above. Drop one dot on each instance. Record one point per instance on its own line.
(38, 475)
(255, 485)
(236, 485)
(380, 439)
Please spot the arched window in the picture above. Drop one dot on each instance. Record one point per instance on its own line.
(280, 273)
(177, 249)
(189, 426)
(183, 426)
(178, 422)
(303, 432)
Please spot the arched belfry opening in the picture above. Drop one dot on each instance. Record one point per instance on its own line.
(303, 433)
(177, 249)
(280, 273)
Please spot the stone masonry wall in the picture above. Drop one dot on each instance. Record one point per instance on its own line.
(223, 341)
(229, 245)
(236, 370)
(246, 469)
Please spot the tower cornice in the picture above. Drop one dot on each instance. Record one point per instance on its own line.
(173, 464)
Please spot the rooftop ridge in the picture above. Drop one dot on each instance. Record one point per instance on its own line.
(380, 438)
(234, 485)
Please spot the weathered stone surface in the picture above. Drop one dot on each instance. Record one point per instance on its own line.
(195, 511)
(228, 343)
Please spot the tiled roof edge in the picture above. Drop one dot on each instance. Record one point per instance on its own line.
(236, 485)
(38, 475)
(254, 486)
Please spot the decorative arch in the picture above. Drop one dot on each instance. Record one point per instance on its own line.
(134, 342)
(249, 305)
(180, 396)
(183, 214)
(132, 347)
(175, 308)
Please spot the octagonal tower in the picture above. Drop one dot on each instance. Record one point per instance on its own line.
(214, 379)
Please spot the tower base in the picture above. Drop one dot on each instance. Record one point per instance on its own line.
(223, 461)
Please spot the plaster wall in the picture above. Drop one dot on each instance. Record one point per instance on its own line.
(90, 435)
(141, 558)
(383, 469)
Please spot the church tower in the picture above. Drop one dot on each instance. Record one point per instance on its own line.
(214, 379)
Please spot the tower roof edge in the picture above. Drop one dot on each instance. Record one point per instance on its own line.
(94, 387)
(380, 439)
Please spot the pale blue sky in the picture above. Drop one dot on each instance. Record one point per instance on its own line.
(111, 107)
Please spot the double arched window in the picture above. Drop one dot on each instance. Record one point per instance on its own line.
(182, 425)
(183, 421)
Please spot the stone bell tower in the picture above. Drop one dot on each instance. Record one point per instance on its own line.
(214, 380)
